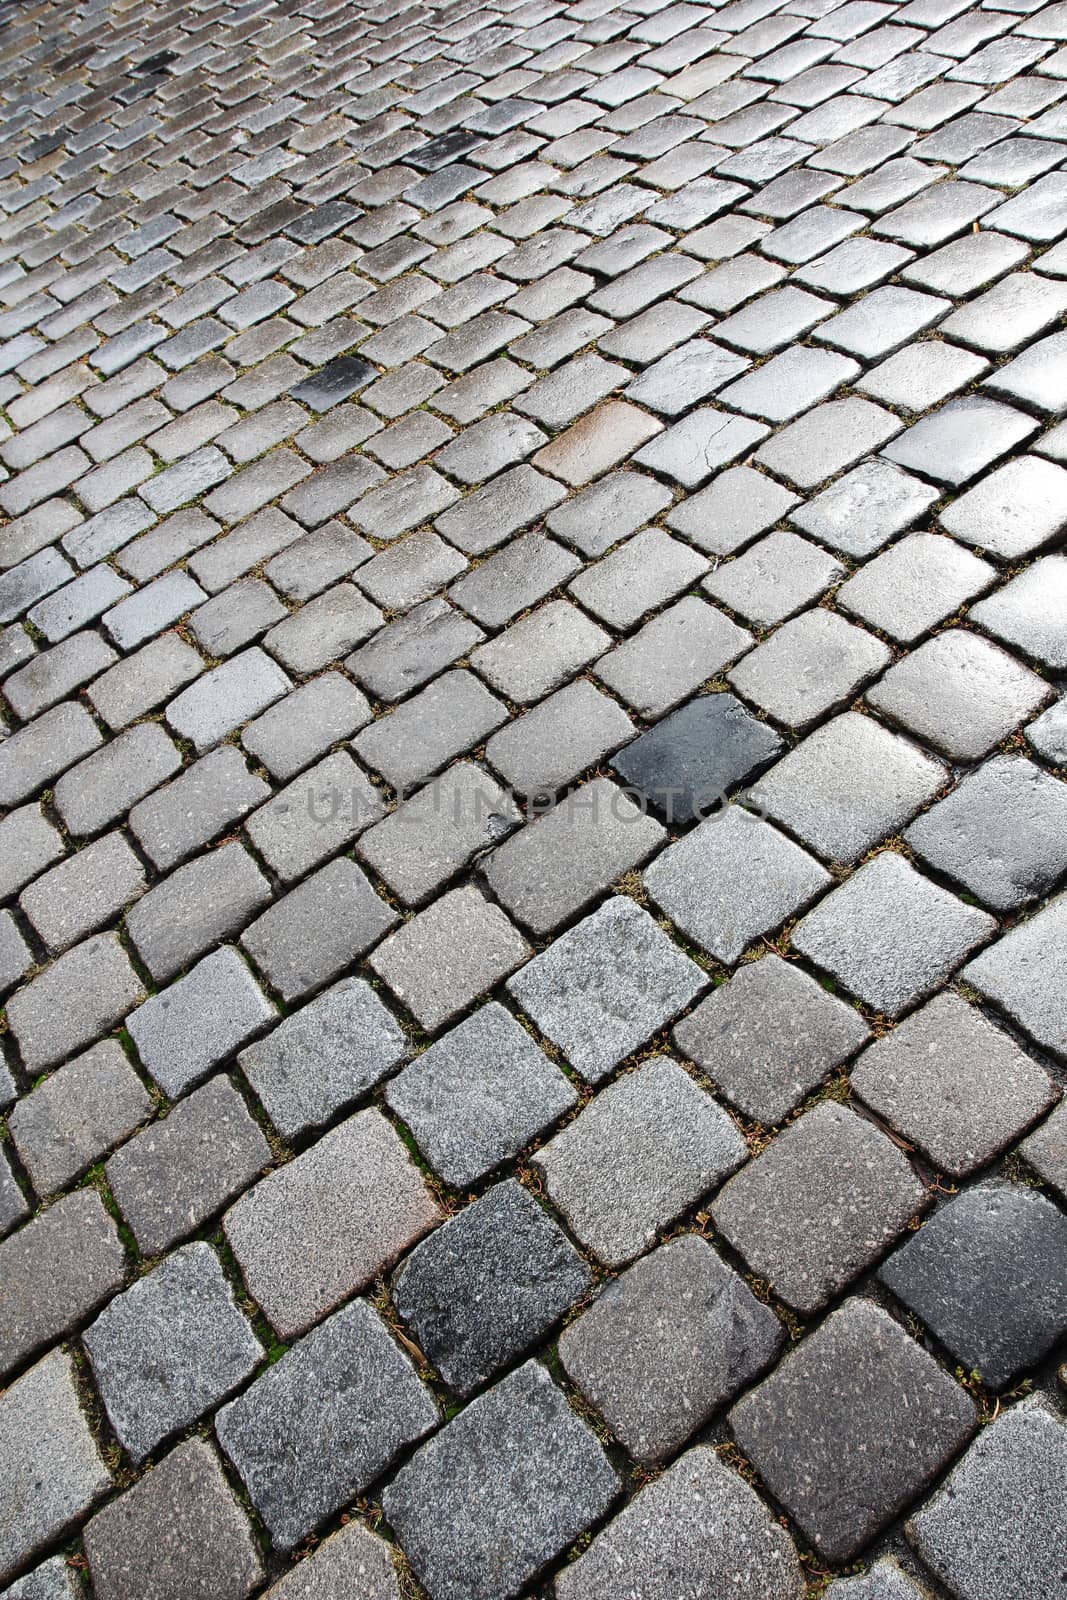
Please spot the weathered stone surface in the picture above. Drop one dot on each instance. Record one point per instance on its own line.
(999, 1517)
(823, 1202)
(181, 1170)
(50, 1466)
(768, 1036)
(310, 935)
(1046, 1150)
(178, 1534)
(1024, 974)
(182, 1032)
(487, 1285)
(203, 902)
(323, 1225)
(77, 1114)
(851, 1427)
(694, 759)
(700, 1526)
(645, 1150)
(606, 986)
(985, 1277)
(53, 1580)
(54, 1273)
(74, 1001)
(667, 1344)
(500, 1491)
(348, 1383)
(324, 1056)
(478, 1095)
(352, 1564)
(170, 1348)
(953, 1084)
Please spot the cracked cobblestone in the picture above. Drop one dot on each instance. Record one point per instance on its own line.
(531, 538)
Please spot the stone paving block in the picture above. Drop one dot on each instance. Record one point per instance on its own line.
(503, 1489)
(322, 1226)
(324, 1056)
(316, 815)
(403, 502)
(959, 693)
(809, 666)
(183, 1031)
(446, 719)
(55, 673)
(104, 786)
(478, 1095)
(488, 1285)
(352, 1564)
(15, 957)
(170, 1348)
(76, 1115)
(347, 1381)
(144, 680)
(851, 1427)
(178, 819)
(197, 906)
(424, 843)
(296, 730)
(955, 443)
(699, 1525)
(774, 578)
(1046, 1150)
(413, 649)
(922, 374)
(732, 879)
(315, 561)
(510, 502)
(1047, 734)
(984, 1277)
(73, 1002)
(182, 1169)
(607, 436)
(846, 786)
(953, 1084)
(1023, 975)
(865, 508)
(311, 934)
(688, 764)
(13, 1205)
(819, 1206)
(53, 1471)
(53, 1580)
(236, 617)
(34, 755)
(226, 697)
(645, 1150)
(855, 936)
(667, 1344)
(1035, 376)
(915, 584)
(610, 509)
(1028, 613)
(545, 748)
(638, 577)
(768, 1036)
(540, 651)
(672, 655)
(179, 1532)
(885, 1580)
(55, 1272)
(1014, 511)
(514, 579)
(1001, 1509)
(1001, 833)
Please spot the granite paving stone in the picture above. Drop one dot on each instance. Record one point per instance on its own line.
(73, 1002)
(983, 1276)
(959, 440)
(851, 1426)
(53, 1471)
(914, 585)
(504, 1488)
(672, 655)
(314, 816)
(546, 747)
(182, 1169)
(540, 651)
(170, 1348)
(488, 1285)
(450, 716)
(1046, 1151)
(1027, 614)
(687, 765)
(351, 1564)
(311, 934)
(78, 1113)
(768, 1036)
(175, 821)
(700, 1524)
(52, 1580)
(179, 1531)
(478, 1095)
(1022, 974)
(321, 1227)
(954, 1084)
(183, 1031)
(862, 510)
(201, 903)
(977, 1526)
(667, 1344)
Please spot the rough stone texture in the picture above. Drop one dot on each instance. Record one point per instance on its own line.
(645, 1150)
(78, 1114)
(667, 1344)
(692, 761)
(487, 1285)
(324, 1056)
(768, 1036)
(478, 1095)
(73, 1001)
(952, 1083)
(316, 1230)
(310, 935)
(53, 1580)
(823, 1202)
(890, 935)
(1002, 1510)
(50, 1465)
(170, 1348)
(700, 1530)
(54, 1273)
(179, 1532)
(503, 1489)
(606, 986)
(352, 1564)
(1046, 1150)
(324, 1421)
(183, 1169)
(184, 1031)
(985, 1276)
(1024, 974)
(852, 1426)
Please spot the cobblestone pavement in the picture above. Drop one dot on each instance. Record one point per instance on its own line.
(533, 837)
